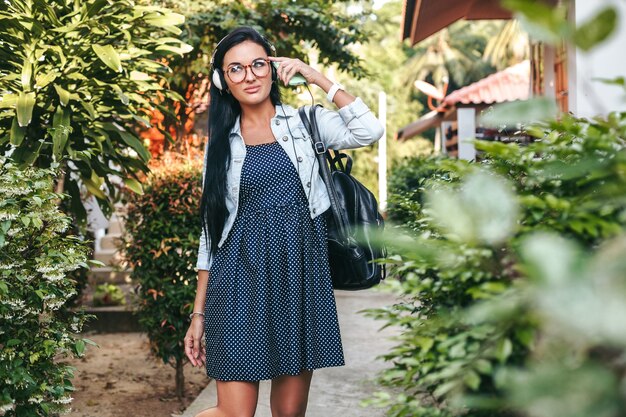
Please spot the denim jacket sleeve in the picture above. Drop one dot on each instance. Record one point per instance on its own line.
(353, 126)
(205, 258)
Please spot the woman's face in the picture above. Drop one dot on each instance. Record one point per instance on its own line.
(241, 63)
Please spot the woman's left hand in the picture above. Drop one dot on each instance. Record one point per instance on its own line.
(290, 66)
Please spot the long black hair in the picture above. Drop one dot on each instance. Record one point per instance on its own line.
(223, 112)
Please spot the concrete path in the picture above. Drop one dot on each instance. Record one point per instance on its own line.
(336, 392)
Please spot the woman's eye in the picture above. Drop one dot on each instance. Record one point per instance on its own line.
(259, 64)
(235, 69)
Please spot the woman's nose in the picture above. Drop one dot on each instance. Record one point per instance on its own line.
(250, 75)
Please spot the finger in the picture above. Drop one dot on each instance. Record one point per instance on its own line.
(189, 352)
(196, 348)
(290, 73)
(277, 58)
(285, 69)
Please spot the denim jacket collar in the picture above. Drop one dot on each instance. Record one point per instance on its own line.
(282, 111)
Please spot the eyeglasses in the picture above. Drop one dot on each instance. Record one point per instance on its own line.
(259, 67)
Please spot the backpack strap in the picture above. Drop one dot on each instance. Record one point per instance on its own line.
(321, 153)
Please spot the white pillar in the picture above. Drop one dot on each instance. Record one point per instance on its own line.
(444, 129)
(382, 152)
(549, 77)
(588, 96)
(466, 117)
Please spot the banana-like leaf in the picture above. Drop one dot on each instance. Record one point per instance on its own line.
(134, 185)
(174, 95)
(142, 120)
(17, 133)
(8, 101)
(61, 131)
(42, 80)
(60, 54)
(154, 65)
(135, 143)
(94, 188)
(175, 49)
(25, 104)
(95, 7)
(164, 20)
(123, 97)
(27, 73)
(89, 107)
(75, 201)
(44, 6)
(64, 95)
(27, 152)
(109, 56)
(139, 76)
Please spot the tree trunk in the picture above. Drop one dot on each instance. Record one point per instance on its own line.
(180, 380)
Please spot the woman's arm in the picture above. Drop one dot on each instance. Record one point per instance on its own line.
(290, 66)
(353, 126)
(193, 339)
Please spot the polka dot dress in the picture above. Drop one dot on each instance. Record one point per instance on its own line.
(270, 308)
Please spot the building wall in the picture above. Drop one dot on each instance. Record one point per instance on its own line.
(589, 97)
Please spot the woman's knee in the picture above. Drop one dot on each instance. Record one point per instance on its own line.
(217, 412)
(292, 410)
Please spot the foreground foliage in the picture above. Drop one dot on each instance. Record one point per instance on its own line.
(36, 332)
(497, 251)
(161, 243)
(75, 80)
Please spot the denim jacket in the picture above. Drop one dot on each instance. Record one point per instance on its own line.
(352, 126)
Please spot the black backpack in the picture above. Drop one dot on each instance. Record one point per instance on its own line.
(352, 219)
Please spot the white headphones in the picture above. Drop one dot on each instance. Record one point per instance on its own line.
(217, 75)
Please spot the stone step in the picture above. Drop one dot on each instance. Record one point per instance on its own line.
(116, 226)
(107, 274)
(110, 241)
(109, 257)
(112, 320)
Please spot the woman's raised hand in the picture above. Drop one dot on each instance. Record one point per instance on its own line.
(291, 66)
(193, 342)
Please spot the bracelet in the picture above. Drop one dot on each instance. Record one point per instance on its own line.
(333, 90)
(196, 313)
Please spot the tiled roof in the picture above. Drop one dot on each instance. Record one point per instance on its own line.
(510, 84)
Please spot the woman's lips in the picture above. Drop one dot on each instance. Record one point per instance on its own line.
(252, 90)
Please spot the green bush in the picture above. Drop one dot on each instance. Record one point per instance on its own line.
(36, 332)
(77, 79)
(469, 227)
(162, 231)
(108, 295)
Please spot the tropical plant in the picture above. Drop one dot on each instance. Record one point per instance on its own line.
(504, 266)
(470, 232)
(510, 46)
(161, 243)
(36, 332)
(75, 79)
(452, 56)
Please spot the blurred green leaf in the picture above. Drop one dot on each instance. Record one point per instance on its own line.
(597, 29)
(520, 112)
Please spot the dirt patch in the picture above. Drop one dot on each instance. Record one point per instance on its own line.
(121, 378)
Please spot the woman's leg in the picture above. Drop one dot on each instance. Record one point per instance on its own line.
(234, 399)
(290, 395)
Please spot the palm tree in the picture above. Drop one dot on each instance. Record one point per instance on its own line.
(452, 55)
(511, 46)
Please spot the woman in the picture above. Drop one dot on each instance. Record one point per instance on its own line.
(264, 295)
